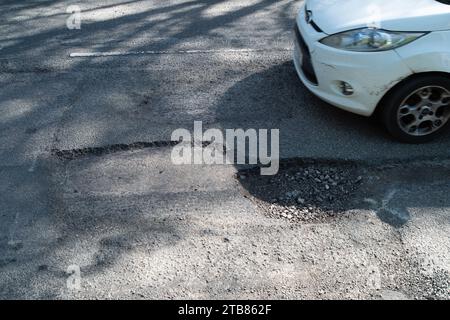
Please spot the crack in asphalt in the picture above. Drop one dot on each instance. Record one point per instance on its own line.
(72, 154)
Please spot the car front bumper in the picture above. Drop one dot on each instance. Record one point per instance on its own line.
(370, 74)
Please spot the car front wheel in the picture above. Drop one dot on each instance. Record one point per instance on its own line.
(417, 110)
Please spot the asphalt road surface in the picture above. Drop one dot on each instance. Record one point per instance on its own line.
(139, 227)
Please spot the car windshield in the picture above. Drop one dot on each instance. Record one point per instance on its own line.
(444, 1)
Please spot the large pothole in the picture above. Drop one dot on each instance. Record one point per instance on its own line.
(305, 192)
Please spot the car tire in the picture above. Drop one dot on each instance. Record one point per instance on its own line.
(412, 117)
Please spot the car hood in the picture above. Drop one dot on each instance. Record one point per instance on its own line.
(334, 16)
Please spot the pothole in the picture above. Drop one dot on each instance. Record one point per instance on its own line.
(304, 193)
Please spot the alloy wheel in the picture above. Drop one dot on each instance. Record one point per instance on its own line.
(424, 111)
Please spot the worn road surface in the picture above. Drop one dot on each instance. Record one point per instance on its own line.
(137, 226)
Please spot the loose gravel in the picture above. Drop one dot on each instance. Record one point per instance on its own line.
(309, 192)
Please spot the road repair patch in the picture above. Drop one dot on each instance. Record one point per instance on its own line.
(320, 191)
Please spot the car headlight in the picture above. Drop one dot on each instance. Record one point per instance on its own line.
(370, 39)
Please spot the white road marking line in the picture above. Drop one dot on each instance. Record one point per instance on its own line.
(130, 53)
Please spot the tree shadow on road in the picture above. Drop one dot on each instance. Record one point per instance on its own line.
(270, 98)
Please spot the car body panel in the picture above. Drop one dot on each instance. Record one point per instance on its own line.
(371, 74)
(430, 53)
(334, 16)
(370, 81)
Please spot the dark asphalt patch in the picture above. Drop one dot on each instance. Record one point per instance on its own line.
(307, 192)
(317, 191)
(100, 151)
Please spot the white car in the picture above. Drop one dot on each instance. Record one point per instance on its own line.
(386, 56)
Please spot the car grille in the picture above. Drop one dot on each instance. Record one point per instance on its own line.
(306, 63)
